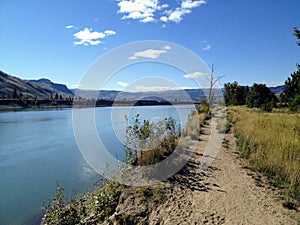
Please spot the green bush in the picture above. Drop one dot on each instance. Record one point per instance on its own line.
(295, 104)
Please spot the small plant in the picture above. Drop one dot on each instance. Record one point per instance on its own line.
(57, 212)
(225, 143)
(150, 142)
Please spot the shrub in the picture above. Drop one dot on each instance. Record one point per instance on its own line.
(295, 104)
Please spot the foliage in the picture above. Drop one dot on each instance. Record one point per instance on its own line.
(297, 34)
(57, 212)
(146, 193)
(271, 142)
(150, 142)
(204, 107)
(292, 86)
(234, 94)
(101, 204)
(260, 96)
(295, 104)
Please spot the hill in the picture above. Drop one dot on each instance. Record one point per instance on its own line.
(277, 89)
(172, 95)
(54, 87)
(42, 88)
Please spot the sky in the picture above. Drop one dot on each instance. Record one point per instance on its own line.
(247, 41)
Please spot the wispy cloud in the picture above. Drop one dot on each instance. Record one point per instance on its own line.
(272, 83)
(194, 75)
(207, 47)
(75, 86)
(155, 88)
(146, 11)
(109, 32)
(150, 53)
(89, 37)
(69, 27)
(122, 84)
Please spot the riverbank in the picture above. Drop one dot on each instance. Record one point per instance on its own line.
(12, 104)
(226, 192)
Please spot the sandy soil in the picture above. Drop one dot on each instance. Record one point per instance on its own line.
(224, 192)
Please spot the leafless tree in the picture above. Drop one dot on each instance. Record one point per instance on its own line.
(212, 81)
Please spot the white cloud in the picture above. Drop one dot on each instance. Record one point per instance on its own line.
(271, 83)
(147, 19)
(69, 27)
(189, 4)
(194, 75)
(142, 10)
(75, 86)
(177, 15)
(89, 37)
(155, 88)
(164, 6)
(164, 19)
(132, 57)
(150, 53)
(167, 47)
(122, 84)
(146, 11)
(109, 32)
(142, 88)
(207, 48)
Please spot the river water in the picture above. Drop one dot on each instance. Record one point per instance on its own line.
(38, 147)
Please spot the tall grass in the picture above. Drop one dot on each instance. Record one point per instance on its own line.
(148, 142)
(271, 141)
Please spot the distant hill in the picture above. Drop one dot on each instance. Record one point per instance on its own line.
(277, 89)
(49, 85)
(173, 95)
(42, 88)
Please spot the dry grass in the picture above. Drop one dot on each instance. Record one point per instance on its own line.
(271, 141)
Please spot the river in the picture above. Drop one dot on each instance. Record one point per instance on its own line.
(38, 147)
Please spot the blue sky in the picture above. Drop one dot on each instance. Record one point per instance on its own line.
(249, 41)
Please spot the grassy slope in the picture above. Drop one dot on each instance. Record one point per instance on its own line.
(271, 141)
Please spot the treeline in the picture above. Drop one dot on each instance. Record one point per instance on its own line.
(79, 102)
(260, 96)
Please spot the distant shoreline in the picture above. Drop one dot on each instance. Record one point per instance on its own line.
(17, 105)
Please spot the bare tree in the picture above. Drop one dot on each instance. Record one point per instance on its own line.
(212, 81)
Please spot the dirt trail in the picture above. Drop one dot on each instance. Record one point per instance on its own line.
(223, 193)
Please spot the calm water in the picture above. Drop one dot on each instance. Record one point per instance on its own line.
(38, 147)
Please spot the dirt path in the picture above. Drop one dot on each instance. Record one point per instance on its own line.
(223, 193)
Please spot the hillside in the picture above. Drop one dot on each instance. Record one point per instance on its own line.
(172, 95)
(49, 85)
(42, 88)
